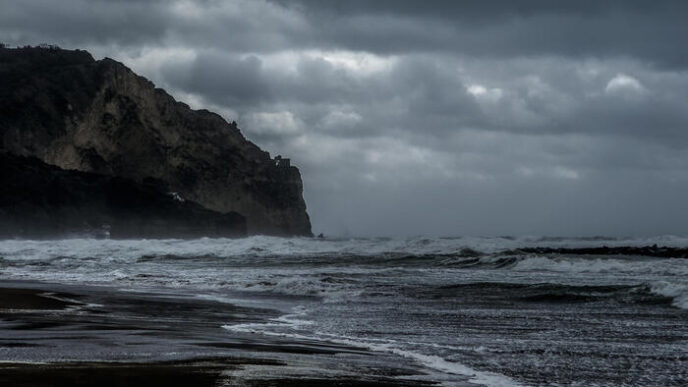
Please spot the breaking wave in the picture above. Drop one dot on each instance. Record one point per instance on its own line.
(678, 292)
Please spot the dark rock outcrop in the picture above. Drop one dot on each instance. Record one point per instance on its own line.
(40, 200)
(74, 112)
(645, 251)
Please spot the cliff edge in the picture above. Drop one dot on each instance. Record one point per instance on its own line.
(71, 111)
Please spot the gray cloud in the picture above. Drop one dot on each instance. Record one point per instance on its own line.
(409, 117)
(508, 28)
(224, 79)
(649, 31)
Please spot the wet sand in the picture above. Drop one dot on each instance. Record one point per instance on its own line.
(171, 375)
(29, 299)
(94, 374)
(58, 335)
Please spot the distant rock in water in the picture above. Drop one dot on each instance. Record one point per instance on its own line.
(71, 111)
(647, 251)
(39, 200)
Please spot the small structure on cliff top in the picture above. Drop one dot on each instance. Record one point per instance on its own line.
(282, 163)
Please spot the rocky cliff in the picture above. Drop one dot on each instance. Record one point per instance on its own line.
(40, 200)
(69, 110)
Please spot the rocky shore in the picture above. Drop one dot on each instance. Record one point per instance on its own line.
(646, 251)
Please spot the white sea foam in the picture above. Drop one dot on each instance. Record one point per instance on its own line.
(263, 246)
(679, 292)
(291, 326)
(378, 345)
(437, 363)
(291, 321)
(314, 267)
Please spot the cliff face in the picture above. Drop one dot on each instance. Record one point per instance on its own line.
(40, 200)
(71, 111)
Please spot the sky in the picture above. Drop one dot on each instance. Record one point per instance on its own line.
(438, 118)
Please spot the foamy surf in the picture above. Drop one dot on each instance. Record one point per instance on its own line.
(431, 362)
(679, 292)
(288, 325)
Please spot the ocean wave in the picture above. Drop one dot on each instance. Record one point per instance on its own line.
(602, 265)
(556, 293)
(335, 270)
(678, 292)
(264, 246)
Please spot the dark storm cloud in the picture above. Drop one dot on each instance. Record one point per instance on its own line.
(426, 117)
(236, 26)
(420, 94)
(77, 22)
(221, 78)
(650, 30)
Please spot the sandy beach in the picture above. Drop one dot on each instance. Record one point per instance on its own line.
(57, 335)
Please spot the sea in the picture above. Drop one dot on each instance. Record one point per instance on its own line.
(474, 309)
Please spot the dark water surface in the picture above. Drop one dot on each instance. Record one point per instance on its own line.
(449, 310)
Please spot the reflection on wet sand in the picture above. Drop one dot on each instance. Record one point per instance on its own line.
(56, 335)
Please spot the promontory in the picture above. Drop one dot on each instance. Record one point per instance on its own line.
(95, 125)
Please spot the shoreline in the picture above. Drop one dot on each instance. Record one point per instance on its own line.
(73, 335)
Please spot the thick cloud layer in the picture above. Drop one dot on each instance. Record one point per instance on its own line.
(416, 117)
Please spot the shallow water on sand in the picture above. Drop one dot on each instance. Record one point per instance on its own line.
(459, 309)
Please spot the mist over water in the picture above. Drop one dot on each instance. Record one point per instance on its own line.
(471, 307)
